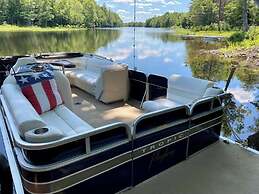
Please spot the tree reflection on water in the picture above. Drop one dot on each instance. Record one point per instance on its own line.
(242, 115)
(20, 43)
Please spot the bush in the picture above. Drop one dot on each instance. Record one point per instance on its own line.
(253, 33)
(237, 37)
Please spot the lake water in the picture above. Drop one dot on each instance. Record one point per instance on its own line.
(158, 51)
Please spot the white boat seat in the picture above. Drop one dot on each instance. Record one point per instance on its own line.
(62, 119)
(107, 81)
(151, 106)
(50, 126)
(181, 91)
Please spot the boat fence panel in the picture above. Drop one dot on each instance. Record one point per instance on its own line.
(205, 124)
(106, 166)
(159, 142)
(157, 86)
(138, 82)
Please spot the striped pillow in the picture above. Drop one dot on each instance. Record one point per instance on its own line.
(40, 89)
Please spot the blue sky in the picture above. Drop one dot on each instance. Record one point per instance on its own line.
(145, 8)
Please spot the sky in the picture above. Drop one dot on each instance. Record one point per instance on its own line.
(145, 8)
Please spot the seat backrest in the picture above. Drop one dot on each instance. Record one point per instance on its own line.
(61, 80)
(93, 69)
(24, 61)
(184, 89)
(94, 64)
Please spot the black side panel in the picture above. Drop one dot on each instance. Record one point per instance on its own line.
(205, 128)
(6, 64)
(56, 154)
(151, 164)
(155, 150)
(137, 84)
(107, 172)
(110, 182)
(157, 86)
(6, 183)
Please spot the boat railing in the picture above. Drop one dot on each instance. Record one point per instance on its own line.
(88, 142)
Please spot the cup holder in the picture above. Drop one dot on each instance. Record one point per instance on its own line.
(40, 131)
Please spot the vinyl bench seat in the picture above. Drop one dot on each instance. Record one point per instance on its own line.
(105, 80)
(182, 91)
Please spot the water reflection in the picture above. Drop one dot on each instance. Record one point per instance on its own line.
(20, 43)
(158, 52)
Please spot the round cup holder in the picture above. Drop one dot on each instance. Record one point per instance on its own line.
(41, 131)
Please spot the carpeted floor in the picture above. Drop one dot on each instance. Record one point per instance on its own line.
(99, 114)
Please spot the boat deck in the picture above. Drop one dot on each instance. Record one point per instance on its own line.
(99, 114)
(219, 169)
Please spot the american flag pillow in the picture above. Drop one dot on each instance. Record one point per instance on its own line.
(40, 89)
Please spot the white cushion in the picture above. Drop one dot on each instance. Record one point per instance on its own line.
(52, 134)
(151, 106)
(213, 92)
(72, 119)
(23, 61)
(97, 60)
(186, 89)
(108, 83)
(64, 89)
(66, 121)
(93, 69)
(181, 91)
(25, 116)
(60, 122)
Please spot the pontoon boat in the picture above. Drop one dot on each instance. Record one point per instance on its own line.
(82, 123)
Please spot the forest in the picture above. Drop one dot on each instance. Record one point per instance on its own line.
(211, 15)
(50, 13)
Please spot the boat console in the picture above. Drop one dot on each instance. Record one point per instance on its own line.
(96, 136)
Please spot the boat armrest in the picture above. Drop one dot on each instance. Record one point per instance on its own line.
(213, 92)
(87, 143)
(24, 115)
(160, 120)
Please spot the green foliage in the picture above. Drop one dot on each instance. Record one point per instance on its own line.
(237, 37)
(55, 40)
(136, 24)
(169, 20)
(207, 15)
(203, 12)
(251, 40)
(83, 13)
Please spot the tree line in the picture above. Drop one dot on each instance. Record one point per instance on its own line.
(82, 13)
(211, 15)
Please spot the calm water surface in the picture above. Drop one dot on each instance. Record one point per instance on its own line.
(158, 51)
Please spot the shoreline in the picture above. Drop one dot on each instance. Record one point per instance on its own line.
(245, 51)
(13, 28)
(245, 57)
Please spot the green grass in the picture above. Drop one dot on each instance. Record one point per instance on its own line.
(251, 40)
(12, 28)
(182, 31)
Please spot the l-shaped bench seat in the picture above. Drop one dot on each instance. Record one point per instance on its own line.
(182, 91)
(58, 123)
(100, 77)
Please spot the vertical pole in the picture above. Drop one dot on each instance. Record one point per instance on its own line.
(232, 71)
(134, 36)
